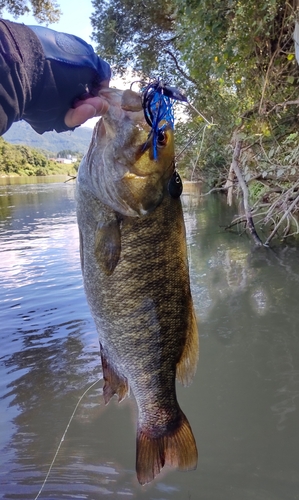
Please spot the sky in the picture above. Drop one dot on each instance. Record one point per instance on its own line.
(74, 20)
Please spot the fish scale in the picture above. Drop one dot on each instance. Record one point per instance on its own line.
(136, 280)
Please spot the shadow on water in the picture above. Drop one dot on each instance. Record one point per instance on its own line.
(242, 405)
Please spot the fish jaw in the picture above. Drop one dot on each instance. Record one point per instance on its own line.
(120, 166)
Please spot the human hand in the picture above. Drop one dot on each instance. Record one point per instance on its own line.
(84, 109)
(74, 74)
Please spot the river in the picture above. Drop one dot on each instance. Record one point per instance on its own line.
(243, 405)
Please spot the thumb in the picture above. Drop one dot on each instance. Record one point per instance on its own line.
(84, 110)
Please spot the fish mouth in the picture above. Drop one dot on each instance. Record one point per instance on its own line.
(128, 163)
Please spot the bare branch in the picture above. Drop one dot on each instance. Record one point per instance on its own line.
(178, 67)
(283, 104)
(285, 215)
(236, 169)
(278, 48)
(214, 190)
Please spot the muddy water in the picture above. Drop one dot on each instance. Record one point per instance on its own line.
(243, 404)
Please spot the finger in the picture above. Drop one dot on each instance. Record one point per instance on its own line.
(84, 110)
(99, 103)
(102, 85)
(77, 116)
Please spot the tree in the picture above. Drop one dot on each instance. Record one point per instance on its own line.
(64, 153)
(16, 158)
(134, 32)
(236, 60)
(44, 11)
(236, 57)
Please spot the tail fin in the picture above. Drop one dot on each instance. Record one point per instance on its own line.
(176, 448)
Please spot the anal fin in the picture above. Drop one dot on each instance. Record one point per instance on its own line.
(113, 382)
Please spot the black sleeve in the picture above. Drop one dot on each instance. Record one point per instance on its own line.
(60, 86)
(39, 87)
(21, 64)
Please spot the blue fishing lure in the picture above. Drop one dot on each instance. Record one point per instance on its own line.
(157, 102)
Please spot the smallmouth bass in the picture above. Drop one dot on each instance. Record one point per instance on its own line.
(136, 278)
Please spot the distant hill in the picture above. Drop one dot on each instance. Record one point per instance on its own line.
(22, 133)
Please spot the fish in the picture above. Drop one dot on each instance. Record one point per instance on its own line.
(136, 278)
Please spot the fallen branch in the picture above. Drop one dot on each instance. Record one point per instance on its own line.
(289, 210)
(236, 169)
(214, 190)
(283, 104)
(238, 220)
(281, 200)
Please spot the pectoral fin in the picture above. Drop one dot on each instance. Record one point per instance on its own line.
(108, 245)
(186, 367)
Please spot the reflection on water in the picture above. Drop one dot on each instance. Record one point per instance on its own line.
(33, 179)
(242, 406)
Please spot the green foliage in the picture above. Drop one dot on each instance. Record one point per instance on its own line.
(64, 153)
(133, 32)
(25, 161)
(257, 190)
(44, 11)
(235, 59)
(241, 54)
(207, 155)
(13, 158)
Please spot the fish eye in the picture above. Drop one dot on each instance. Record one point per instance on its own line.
(162, 138)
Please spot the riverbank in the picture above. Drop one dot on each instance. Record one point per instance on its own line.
(12, 180)
(52, 168)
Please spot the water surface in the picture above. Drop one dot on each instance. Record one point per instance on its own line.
(243, 404)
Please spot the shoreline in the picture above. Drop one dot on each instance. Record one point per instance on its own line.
(7, 180)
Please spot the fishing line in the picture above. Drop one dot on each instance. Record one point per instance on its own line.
(157, 102)
(63, 436)
(210, 124)
(189, 142)
(199, 152)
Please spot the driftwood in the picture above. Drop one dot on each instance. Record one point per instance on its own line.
(280, 212)
(285, 216)
(235, 169)
(286, 204)
(277, 207)
(229, 185)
